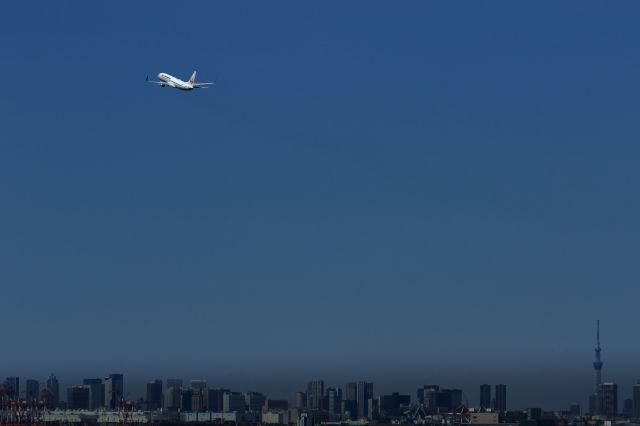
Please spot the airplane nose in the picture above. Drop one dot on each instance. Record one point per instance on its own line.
(160, 75)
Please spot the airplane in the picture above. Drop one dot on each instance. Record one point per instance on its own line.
(171, 81)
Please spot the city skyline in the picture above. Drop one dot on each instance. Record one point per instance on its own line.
(353, 401)
(521, 397)
(317, 396)
(136, 388)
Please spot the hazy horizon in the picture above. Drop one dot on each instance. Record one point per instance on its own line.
(549, 387)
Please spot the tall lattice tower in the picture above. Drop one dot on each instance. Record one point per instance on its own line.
(597, 364)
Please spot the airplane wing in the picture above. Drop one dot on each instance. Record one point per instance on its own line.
(202, 85)
(154, 82)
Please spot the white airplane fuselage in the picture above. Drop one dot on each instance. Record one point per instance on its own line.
(171, 81)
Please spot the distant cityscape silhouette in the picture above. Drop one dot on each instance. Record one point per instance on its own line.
(106, 401)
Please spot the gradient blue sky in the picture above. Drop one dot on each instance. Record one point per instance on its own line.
(406, 192)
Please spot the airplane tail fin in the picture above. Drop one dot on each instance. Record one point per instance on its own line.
(193, 78)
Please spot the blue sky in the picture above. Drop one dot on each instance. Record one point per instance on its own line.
(404, 192)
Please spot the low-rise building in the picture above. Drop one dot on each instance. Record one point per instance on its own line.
(484, 418)
(279, 417)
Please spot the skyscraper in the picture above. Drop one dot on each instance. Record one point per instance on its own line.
(427, 395)
(198, 401)
(501, 398)
(186, 399)
(448, 400)
(172, 398)
(198, 384)
(78, 398)
(254, 401)
(351, 392)
(364, 393)
(47, 398)
(372, 408)
(53, 389)
(113, 390)
(456, 399)
(485, 396)
(593, 404)
(215, 399)
(608, 400)
(96, 392)
(431, 396)
(233, 402)
(315, 394)
(33, 390)
(300, 400)
(627, 408)
(389, 405)
(350, 402)
(198, 397)
(636, 400)
(154, 394)
(333, 401)
(12, 387)
(174, 383)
